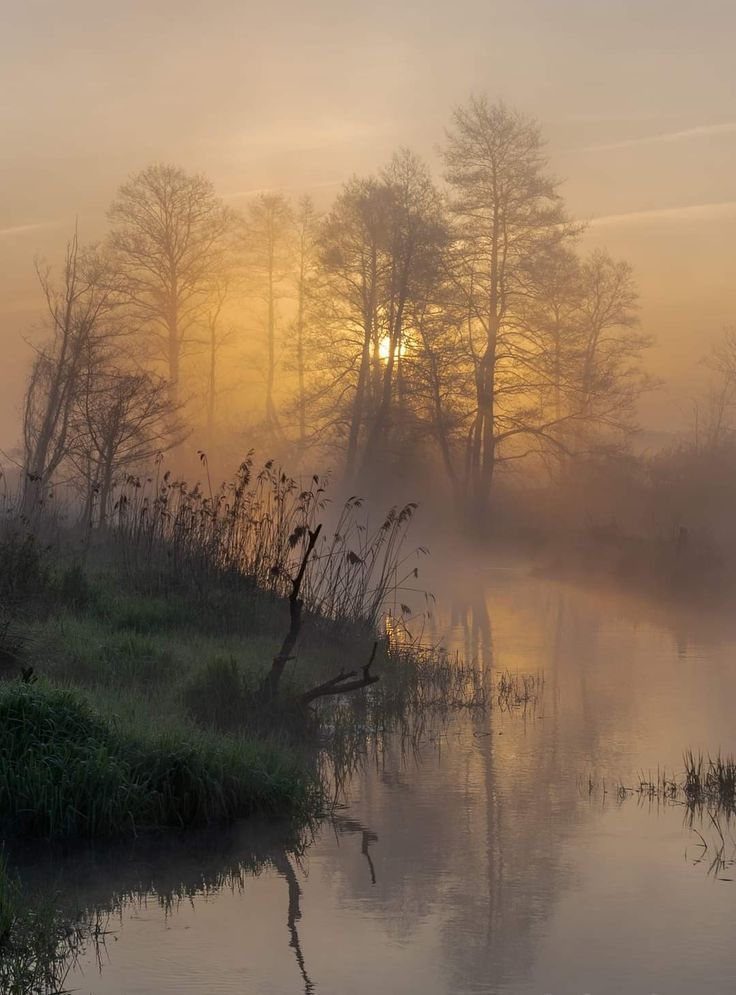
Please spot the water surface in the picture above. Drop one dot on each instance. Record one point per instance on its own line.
(483, 863)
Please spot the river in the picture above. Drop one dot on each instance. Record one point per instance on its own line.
(498, 858)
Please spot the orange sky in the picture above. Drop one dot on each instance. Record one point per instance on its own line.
(636, 98)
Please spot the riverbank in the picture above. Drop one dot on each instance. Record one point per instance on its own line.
(125, 709)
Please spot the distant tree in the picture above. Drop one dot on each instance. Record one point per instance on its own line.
(610, 375)
(441, 383)
(714, 421)
(585, 351)
(306, 229)
(219, 333)
(507, 210)
(80, 312)
(268, 246)
(123, 419)
(415, 241)
(381, 248)
(352, 243)
(550, 325)
(169, 232)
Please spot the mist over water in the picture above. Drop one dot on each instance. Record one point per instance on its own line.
(367, 488)
(482, 862)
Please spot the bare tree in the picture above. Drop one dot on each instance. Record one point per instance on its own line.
(267, 241)
(352, 245)
(416, 238)
(381, 247)
(306, 224)
(79, 309)
(124, 419)
(219, 334)
(713, 419)
(610, 378)
(507, 210)
(169, 231)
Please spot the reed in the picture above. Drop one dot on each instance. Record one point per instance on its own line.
(253, 532)
(704, 785)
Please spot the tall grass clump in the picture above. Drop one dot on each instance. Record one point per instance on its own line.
(65, 772)
(254, 532)
(710, 782)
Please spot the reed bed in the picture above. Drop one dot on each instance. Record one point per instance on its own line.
(254, 530)
(704, 785)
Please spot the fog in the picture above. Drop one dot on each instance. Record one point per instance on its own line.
(367, 475)
(266, 107)
(636, 102)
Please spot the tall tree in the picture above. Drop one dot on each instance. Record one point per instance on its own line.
(507, 210)
(306, 224)
(352, 244)
(219, 333)
(382, 247)
(80, 310)
(415, 239)
(169, 231)
(267, 241)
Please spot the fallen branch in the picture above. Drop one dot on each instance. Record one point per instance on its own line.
(342, 682)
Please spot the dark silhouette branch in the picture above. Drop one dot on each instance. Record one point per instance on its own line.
(270, 686)
(343, 682)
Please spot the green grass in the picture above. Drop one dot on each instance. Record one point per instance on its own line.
(146, 714)
(66, 771)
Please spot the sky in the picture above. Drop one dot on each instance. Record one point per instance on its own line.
(635, 97)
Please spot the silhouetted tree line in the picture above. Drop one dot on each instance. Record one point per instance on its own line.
(453, 325)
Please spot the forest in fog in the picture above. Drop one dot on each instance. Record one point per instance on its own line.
(442, 338)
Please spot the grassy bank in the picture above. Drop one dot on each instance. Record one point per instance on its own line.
(138, 658)
(136, 714)
(66, 771)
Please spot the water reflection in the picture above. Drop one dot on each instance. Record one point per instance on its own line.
(476, 864)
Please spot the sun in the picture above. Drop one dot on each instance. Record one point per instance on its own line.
(384, 347)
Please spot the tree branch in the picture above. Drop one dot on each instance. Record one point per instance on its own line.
(342, 683)
(270, 685)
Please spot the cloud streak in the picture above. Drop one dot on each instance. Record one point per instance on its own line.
(235, 194)
(690, 212)
(22, 229)
(700, 131)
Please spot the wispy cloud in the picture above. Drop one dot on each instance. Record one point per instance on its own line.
(306, 136)
(233, 195)
(22, 229)
(700, 131)
(690, 212)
